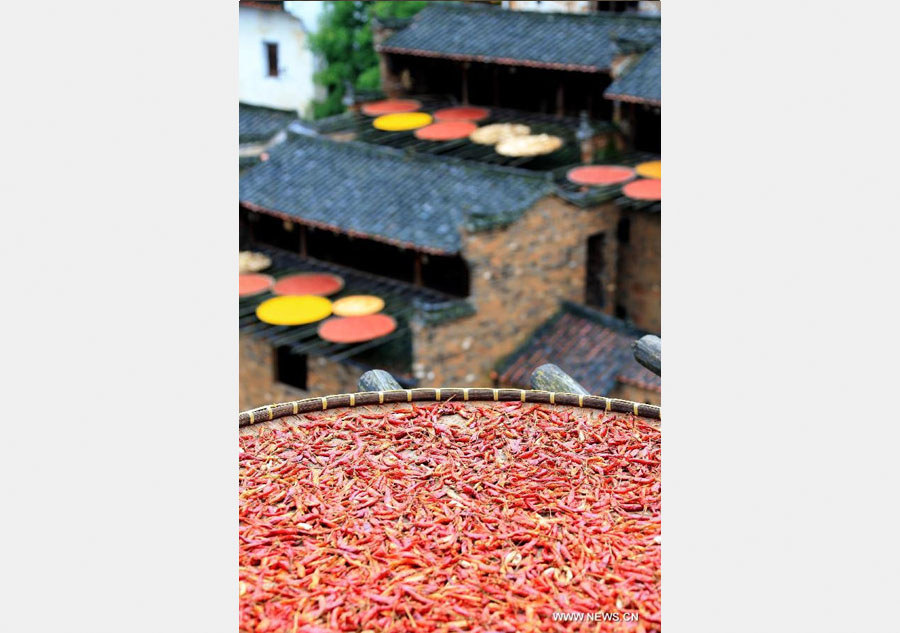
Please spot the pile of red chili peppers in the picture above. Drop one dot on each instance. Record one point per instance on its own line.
(450, 518)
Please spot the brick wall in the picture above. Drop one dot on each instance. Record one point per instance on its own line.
(638, 289)
(518, 276)
(258, 386)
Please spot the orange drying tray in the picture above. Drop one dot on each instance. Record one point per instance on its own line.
(251, 284)
(321, 284)
(600, 175)
(650, 169)
(643, 189)
(446, 130)
(462, 114)
(390, 106)
(357, 329)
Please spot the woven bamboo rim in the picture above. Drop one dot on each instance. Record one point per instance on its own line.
(308, 405)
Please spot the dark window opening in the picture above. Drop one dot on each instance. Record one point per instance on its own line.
(594, 290)
(290, 367)
(616, 7)
(270, 230)
(621, 312)
(623, 231)
(272, 58)
(447, 273)
(647, 128)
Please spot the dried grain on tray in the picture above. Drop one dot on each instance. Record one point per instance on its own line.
(532, 145)
(450, 516)
(496, 132)
(251, 262)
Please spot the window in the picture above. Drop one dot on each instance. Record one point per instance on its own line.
(595, 288)
(623, 231)
(272, 58)
(616, 7)
(290, 367)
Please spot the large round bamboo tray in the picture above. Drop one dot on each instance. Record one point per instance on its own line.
(276, 412)
(592, 410)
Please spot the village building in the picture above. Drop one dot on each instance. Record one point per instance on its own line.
(486, 262)
(595, 349)
(560, 63)
(276, 65)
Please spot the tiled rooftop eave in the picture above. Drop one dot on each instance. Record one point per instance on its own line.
(633, 99)
(505, 61)
(357, 234)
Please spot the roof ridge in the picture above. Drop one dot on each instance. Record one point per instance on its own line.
(243, 104)
(475, 7)
(601, 318)
(394, 152)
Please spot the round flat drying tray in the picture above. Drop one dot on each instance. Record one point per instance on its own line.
(446, 131)
(390, 106)
(600, 175)
(357, 329)
(252, 284)
(643, 189)
(464, 113)
(401, 121)
(321, 284)
(650, 169)
(293, 310)
(358, 305)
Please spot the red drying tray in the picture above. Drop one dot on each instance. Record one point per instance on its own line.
(643, 189)
(390, 106)
(254, 284)
(446, 130)
(462, 114)
(321, 284)
(600, 175)
(357, 329)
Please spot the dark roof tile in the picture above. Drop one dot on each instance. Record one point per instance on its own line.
(593, 348)
(259, 124)
(641, 82)
(554, 40)
(414, 201)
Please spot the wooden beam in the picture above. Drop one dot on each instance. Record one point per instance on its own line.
(303, 250)
(378, 380)
(560, 99)
(417, 269)
(550, 377)
(648, 352)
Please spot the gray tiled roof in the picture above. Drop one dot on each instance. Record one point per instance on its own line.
(556, 40)
(592, 347)
(641, 82)
(415, 201)
(259, 124)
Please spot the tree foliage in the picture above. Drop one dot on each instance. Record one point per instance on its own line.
(344, 41)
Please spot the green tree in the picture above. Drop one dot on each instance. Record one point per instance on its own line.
(344, 41)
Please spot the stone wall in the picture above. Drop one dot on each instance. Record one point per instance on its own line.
(259, 387)
(518, 276)
(638, 291)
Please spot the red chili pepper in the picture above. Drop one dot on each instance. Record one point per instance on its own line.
(414, 521)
